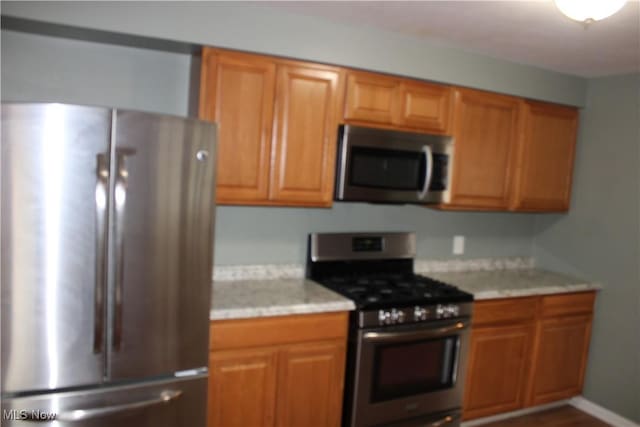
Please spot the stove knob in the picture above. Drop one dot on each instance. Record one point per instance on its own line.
(397, 316)
(419, 314)
(384, 317)
(454, 310)
(440, 311)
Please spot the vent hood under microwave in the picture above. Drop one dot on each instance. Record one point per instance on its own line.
(385, 166)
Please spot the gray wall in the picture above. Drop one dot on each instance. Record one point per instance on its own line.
(38, 68)
(599, 238)
(278, 235)
(42, 68)
(246, 26)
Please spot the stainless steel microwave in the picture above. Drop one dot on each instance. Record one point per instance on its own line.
(385, 166)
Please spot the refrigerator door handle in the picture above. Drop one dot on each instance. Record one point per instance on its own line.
(164, 397)
(101, 194)
(120, 195)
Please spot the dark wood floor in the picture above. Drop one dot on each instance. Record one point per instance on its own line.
(564, 416)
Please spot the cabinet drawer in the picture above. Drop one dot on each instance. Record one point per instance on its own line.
(270, 331)
(506, 310)
(560, 305)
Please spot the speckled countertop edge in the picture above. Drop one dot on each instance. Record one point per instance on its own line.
(276, 290)
(276, 297)
(547, 290)
(515, 283)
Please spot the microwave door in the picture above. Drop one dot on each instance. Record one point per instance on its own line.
(162, 245)
(395, 175)
(376, 165)
(54, 175)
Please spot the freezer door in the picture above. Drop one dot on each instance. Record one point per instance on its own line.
(54, 174)
(169, 403)
(162, 243)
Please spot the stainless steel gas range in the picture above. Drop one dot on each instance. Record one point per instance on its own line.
(408, 337)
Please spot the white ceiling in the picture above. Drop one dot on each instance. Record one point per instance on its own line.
(528, 32)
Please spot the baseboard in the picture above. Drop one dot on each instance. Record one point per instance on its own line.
(601, 413)
(513, 414)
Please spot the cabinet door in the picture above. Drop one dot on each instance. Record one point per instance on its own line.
(425, 107)
(560, 358)
(497, 370)
(485, 131)
(310, 385)
(371, 98)
(242, 388)
(237, 92)
(546, 157)
(305, 135)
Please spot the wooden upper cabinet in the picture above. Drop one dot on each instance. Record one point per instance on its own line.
(311, 385)
(545, 158)
(485, 132)
(371, 98)
(397, 103)
(305, 134)
(237, 92)
(277, 127)
(425, 106)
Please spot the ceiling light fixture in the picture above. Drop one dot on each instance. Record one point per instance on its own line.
(588, 11)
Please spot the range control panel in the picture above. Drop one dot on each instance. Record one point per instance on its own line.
(415, 314)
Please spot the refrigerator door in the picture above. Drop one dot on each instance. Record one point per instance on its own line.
(169, 403)
(54, 174)
(162, 245)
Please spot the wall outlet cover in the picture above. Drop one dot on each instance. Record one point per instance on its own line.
(458, 245)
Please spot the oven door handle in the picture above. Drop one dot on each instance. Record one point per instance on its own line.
(416, 334)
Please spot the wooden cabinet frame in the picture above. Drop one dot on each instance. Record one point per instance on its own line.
(278, 127)
(378, 100)
(551, 132)
(292, 368)
(548, 339)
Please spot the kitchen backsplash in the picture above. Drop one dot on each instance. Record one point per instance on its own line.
(269, 235)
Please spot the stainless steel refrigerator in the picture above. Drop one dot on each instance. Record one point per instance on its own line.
(107, 221)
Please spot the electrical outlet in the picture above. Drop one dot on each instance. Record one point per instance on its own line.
(458, 245)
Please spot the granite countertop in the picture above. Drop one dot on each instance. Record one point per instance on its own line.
(240, 299)
(514, 283)
(275, 290)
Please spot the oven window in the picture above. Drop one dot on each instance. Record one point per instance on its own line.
(414, 368)
(391, 169)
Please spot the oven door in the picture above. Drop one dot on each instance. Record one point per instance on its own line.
(408, 371)
(377, 165)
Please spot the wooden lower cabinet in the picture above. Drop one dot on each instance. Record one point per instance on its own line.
(526, 352)
(290, 374)
(498, 360)
(310, 377)
(560, 358)
(242, 387)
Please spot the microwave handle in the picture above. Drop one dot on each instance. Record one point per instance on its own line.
(428, 171)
